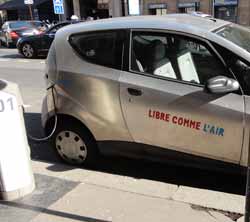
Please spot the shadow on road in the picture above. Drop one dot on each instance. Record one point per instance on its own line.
(12, 56)
(173, 174)
(9, 53)
(51, 212)
(12, 53)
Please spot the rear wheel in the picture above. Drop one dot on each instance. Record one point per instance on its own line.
(28, 50)
(74, 144)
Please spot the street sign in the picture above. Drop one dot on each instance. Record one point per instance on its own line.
(28, 2)
(58, 6)
(133, 7)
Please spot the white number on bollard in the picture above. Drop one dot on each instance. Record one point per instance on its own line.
(13, 143)
(5, 105)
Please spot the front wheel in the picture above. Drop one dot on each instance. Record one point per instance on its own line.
(74, 144)
(28, 51)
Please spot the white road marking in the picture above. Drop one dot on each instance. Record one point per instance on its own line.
(4, 60)
(21, 60)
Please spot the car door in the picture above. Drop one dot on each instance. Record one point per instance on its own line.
(164, 102)
(47, 40)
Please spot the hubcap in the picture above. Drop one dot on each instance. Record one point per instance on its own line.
(71, 147)
(28, 51)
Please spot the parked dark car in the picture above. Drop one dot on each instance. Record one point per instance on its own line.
(33, 46)
(12, 30)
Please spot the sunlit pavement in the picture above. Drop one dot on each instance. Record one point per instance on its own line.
(117, 189)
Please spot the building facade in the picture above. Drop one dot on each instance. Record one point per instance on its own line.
(237, 11)
(17, 10)
(243, 17)
(93, 8)
(158, 7)
(226, 9)
(232, 10)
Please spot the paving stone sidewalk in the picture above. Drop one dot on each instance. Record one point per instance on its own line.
(64, 193)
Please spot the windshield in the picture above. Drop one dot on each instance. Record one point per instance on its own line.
(236, 34)
(25, 24)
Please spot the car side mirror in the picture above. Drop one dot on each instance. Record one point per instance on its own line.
(222, 84)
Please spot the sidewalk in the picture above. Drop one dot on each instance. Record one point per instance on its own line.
(65, 194)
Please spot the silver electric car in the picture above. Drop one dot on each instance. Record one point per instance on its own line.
(172, 87)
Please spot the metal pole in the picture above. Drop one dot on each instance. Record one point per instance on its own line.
(60, 17)
(213, 10)
(247, 201)
(123, 7)
(247, 204)
(31, 14)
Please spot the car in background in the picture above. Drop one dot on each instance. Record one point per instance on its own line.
(201, 14)
(13, 30)
(33, 46)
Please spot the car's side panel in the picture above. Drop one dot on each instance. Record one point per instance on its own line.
(154, 117)
(92, 91)
(246, 144)
(158, 154)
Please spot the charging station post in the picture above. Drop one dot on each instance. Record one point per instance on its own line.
(16, 176)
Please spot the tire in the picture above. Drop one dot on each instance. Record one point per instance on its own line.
(74, 144)
(28, 50)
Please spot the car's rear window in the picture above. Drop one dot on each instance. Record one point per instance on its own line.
(237, 34)
(101, 48)
(24, 24)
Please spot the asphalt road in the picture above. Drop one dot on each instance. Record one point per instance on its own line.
(29, 75)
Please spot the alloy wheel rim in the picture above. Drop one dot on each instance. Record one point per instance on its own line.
(71, 147)
(28, 51)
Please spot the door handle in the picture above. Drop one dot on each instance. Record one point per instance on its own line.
(134, 92)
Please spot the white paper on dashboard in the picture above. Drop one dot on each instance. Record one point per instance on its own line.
(187, 68)
(166, 70)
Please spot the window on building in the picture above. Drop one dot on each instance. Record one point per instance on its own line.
(161, 11)
(158, 11)
(101, 48)
(175, 57)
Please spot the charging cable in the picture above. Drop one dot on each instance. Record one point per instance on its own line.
(55, 124)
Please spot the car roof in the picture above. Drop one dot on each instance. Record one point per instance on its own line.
(23, 21)
(178, 22)
(31, 21)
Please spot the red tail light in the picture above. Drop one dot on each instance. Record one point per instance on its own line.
(13, 34)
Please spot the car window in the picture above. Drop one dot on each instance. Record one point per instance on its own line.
(237, 34)
(56, 28)
(100, 48)
(20, 24)
(239, 66)
(174, 56)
